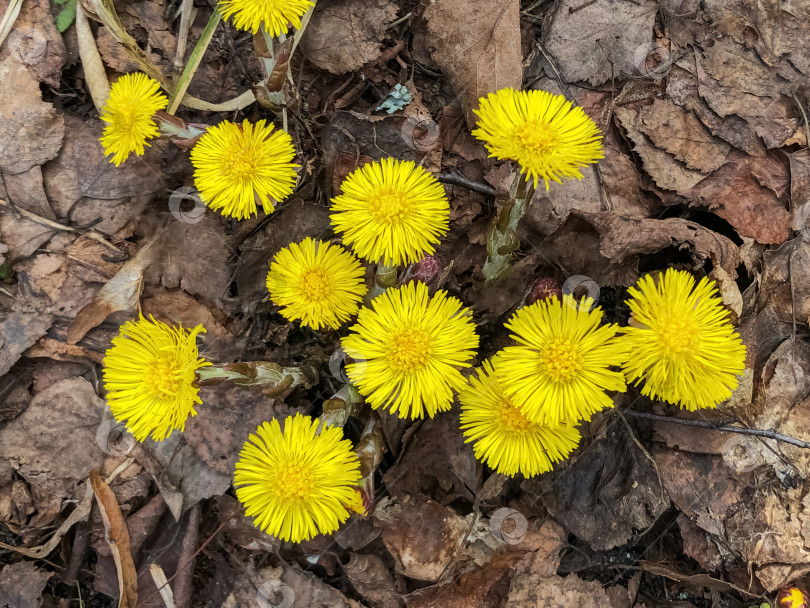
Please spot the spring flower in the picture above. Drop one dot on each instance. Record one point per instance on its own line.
(505, 439)
(391, 212)
(540, 131)
(408, 348)
(296, 483)
(560, 369)
(238, 167)
(317, 283)
(273, 16)
(129, 112)
(150, 377)
(681, 342)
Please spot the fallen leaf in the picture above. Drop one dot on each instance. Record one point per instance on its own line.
(739, 193)
(529, 591)
(371, 578)
(597, 41)
(345, 34)
(22, 584)
(436, 463)
(606, 495)
(118, 538)
(785, 281)
(37, 43)
(18, 331)
(31, 130)
(476, 43)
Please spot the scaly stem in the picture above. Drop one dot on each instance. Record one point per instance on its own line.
(344, 404)
(258, 373)
(385, 277)
(502, 239)
(369, 449)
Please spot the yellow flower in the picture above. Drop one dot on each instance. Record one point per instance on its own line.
(129, 112)
(274, 16)
(505, 439)
(408, 348)
(391, 212)
(681, 342)
(547, 137)
(296, 482)
(560, 370)
(150, 374)
(238, 167)
(317, 283)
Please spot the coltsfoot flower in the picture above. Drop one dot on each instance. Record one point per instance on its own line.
(129, 114)
(391, 212)
(316, 283)
(504, 438)
(239, 167)
(274, 16)
(542, 132)
(150, 374)
(560, 369)
(681, 342)
(297, 483)
(408, 347)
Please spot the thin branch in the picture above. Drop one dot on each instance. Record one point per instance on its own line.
(707, 424)
(459, 180)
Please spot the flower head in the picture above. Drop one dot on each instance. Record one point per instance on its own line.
(274, 16)
(681, 342)
(317, 283)
(560, 369)
(408, 348)
(238, 167)
(150, 374)
(129, 112)
(296, 483)
(542, 132)
(505, 439)
(391, 212)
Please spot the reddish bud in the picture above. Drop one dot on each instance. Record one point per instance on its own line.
(542, 289)
(426, 269)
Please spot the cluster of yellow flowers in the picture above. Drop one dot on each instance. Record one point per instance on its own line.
(520, 408)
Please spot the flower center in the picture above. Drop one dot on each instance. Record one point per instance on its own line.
(537, 137)
(389, 205)
(560, 360)
(161, 376)
(295, 482)
(512, 419)
(409, 350)
(242, 163)
(315, 284)
(677, 335)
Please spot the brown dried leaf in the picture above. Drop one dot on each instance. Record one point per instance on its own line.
(785, 282)
(22, 584)
(663, 167)
(118, 538)
(476, 43)
(372, 580)
(36, 42)
(31, 130)
(606, 495)
(345, 34)
(18, 331)
(597, 41)
(193, 257)
(529, 591)
(437, 463)
(742, 193)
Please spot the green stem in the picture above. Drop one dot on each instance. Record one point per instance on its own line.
(384, 277)
(277, 379)
(502, 239)
(194, 61)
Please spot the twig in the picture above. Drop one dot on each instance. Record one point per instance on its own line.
(182, 35)
(707, 424)
(185, 566)
(459, 180)
(56, 226)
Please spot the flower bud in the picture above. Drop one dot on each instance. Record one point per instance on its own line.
(542, 289)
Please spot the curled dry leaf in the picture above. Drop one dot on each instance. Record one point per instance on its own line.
(118, 538)
(22, 584)
(476, 43)
(370, 577)
(344, 34)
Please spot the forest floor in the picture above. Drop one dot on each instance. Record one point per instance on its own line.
(703, 105)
